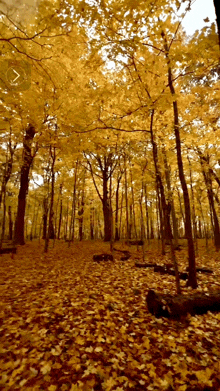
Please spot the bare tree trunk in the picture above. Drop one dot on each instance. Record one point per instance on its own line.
(33, 219)
(91, 222)
(121, 210)
(10, 223)
(193, 206)
(81, 209)
(67, 221)
(117, 235)
(24, 182)
(73, 212)
(141, 211)
(181, 210)
(133, 217)
(217, 12)
(166, 232)
(45, 213)
(208, 182)
(106, 209)
(128, 235)
(173, 214)
(50, 231)
(7, 168)
(192, 280)
(60, 213)
(147, 211)
(3, 220)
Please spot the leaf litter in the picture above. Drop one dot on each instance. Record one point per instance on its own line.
(68, 323)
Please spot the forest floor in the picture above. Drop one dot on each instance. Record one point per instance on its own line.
(69, 323)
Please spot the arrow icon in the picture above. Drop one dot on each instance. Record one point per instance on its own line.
(17, 76)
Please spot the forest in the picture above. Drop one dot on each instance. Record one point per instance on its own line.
(109, 196)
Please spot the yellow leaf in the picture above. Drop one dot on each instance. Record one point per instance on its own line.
(57, 351)
(109, 384)
(204, 375)
(122, 379)
(79, 340)
(98, 349)
(22, 382)
(52, 388)
(182, 388)
(89, 349)
(57, 365)
(131, 339)
(122, 329)
(100, 338)
(146, 343)
(74, 387)
(46, 368)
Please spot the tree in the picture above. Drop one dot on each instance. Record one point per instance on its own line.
(102, 165)
(28, 156)
(217, 11)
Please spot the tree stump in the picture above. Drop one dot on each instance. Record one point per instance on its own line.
(177, 306)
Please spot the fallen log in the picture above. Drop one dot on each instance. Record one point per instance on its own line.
(8, 250)
(139, 264)
(135, 242)
(8, 247)
(165, 305)
(202, 270)
(125, 258)
(165, 269)
(126, 253)
(102, 257)
(168, 269)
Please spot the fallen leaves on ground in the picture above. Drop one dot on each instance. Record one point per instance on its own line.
(68, 323)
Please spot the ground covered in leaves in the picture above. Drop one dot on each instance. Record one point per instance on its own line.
(69, 323)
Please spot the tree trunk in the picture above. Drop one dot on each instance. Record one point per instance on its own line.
(208, 182)
(3, 220)
(193, 206)
(91, 222)
(141, 211)
(117, 235)
(73, 212)
(173, 214)
(133, 217)
(166, 231)
(120, 223)
(81, 209)
(61, 211)
(45, 213)
(10, 223)
(106, 209)
(7, 168)
(50, 231)
(217, 12)
(66, 222)
(24, 182)
(192, 281)
(128, 236)
(147, 212)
